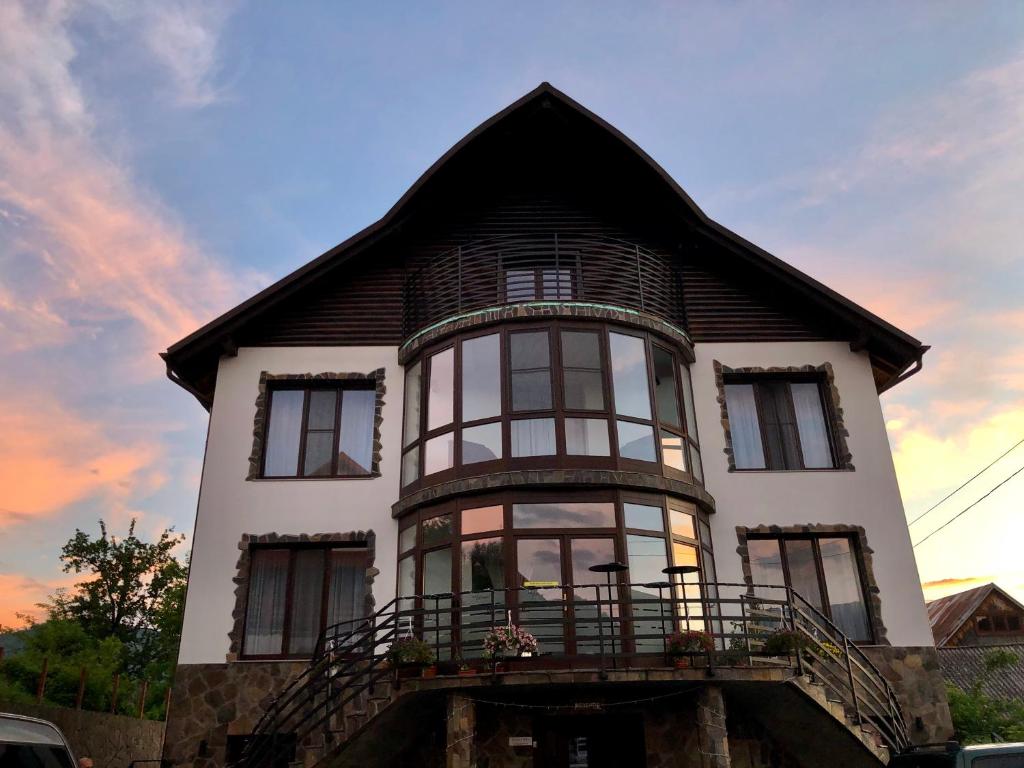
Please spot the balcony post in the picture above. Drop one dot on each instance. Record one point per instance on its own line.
(853, 684)
(461, 731)
(712, 734)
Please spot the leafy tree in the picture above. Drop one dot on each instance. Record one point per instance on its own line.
(133, 591)
(979, 718)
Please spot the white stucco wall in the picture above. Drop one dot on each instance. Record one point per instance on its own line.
(869, 496)
(230, 505)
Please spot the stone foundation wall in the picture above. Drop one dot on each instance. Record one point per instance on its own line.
(210, 702)
(112, 741)
(916, 677)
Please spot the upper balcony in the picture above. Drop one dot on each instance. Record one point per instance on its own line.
(555, 267)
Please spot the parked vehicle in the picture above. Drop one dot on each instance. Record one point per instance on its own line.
(952, 755)
(26, 742)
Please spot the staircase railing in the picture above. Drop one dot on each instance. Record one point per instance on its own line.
(603, 626)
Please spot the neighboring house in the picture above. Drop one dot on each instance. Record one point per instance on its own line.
(545, 358)
(984, 615)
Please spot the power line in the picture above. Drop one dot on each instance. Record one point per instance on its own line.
(969, 506)
(961, 487)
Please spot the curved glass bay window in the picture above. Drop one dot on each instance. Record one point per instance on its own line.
(530, 552)
(558, 394)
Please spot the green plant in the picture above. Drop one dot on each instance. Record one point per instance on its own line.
(689, 641)
(410, 650)
(826, 650)
(979, 718)
(784, 642)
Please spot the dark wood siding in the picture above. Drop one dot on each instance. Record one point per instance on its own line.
(361, 302)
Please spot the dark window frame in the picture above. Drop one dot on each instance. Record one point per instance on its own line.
(558, 411)
(772, 461)
(293, 548)
(308, 386)
(814, 538)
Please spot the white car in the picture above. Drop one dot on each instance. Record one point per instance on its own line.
(952, 755)
(27, 742)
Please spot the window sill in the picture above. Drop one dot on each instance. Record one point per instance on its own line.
(738, 470)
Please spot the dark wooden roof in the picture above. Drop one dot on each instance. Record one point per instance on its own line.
(948, 614)
(733, 290)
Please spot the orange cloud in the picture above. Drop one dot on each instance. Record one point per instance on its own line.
(50, 458)
(21, 594)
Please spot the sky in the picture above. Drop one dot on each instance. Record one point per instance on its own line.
(160, 162)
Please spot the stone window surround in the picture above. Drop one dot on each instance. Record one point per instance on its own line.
(245, 560)
(260, 421)
(872, 597)
(844, 459)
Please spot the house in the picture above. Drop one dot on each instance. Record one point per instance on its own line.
(985, 615)
(544, 377)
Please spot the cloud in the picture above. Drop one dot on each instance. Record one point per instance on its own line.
(50, 457)
(23, 593)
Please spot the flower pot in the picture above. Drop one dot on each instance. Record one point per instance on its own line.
(467, 672)
(682, 662)
(407, 671)
(429, 672)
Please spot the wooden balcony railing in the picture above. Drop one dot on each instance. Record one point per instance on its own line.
(549, 267)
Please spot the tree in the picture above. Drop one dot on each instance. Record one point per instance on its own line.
(133, 591)
(979, 718)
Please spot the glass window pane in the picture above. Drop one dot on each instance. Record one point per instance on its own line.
(691, 418)
(346, 598)
(441, 392)
(437, 530)
(481, 443)
(410, 466)
(264, 612)
(481, 378)
(407, 538)
(586, 437)
(636, 441)
(437, 579)
(566, 514)
(533, 437)
(584, 390)
(355, 447)
(482, 519)
(439, 453)
(557, 284)
(682, 524)
(696, 464)
(283, 433)
(529, 350)
(810, 422)
(704, 529)
(765, 566)
(845, 596)
(673, 451)
(319, 447)
(647, 559)
(540, 610)
(581, 349)
(665, 386)
(586, 552)
(483, 565)
(412, 403)
(643, 516)
(629, 376)
(531, 390)
(744, 428)
(803, 573)
(307, 600)
(520, 285)
(322, 404)
(406, 586)
(437, 572)
(684, 554)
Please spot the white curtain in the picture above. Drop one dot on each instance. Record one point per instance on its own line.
(345, 600)
(533, 437)
(282, 458)
(810, 422)
(355, 449)
(264, 620)
(307, 600)
(747, 450)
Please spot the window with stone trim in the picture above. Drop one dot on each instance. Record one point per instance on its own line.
(319, 429)
(825, 569)
(295, 592)
(780, 421)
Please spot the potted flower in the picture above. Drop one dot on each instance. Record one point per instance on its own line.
(683, 645)
(508, 643)
(825, 650)
(784, 642)
(411, 656)
(465, 670)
